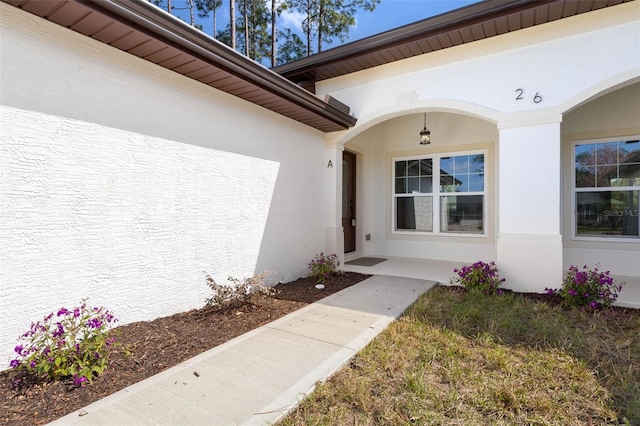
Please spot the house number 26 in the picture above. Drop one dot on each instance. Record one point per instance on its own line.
(536, 98)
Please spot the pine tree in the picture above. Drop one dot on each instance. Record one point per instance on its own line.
(274, 34)
(291, 47)
(257, 35)
(328, 19)
(191, 5)
(207, 6)
(254, 41)
(232, 23)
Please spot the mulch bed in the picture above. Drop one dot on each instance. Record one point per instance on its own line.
(155, 346)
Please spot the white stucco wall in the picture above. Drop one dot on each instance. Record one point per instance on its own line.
(125, 183)
(562, 61)
(529, 242)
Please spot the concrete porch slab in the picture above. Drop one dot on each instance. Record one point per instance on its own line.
(439, 271)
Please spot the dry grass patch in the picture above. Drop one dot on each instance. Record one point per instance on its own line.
(459, 358)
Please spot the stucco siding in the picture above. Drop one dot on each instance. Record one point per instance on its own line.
(125, 183)
(559, 61)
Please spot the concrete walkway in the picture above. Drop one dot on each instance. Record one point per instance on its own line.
(257, 378)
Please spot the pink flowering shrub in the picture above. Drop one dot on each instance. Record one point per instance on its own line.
(324, 265)
(70, 344)
(587, 288)
(480, 276)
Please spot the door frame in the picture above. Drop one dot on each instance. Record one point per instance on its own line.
(349, 200)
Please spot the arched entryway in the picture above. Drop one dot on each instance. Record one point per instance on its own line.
(377, 151)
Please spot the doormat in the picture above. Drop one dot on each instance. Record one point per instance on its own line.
(365, 261)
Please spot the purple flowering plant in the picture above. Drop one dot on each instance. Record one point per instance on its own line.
(68, 344)
(322, 266)
(480, 276)
(589, 288)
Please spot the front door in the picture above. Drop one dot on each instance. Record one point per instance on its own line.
(349, 201)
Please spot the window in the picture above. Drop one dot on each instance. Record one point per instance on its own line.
(606, 188)
(455, 204)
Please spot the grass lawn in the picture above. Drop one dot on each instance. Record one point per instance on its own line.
(459, 358)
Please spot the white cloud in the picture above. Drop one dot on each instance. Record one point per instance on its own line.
(292, 19)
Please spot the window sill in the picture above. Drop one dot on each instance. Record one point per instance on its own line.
(439, 234)
(605, 239)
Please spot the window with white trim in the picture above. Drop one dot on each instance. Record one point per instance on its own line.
(439, 194)
(606, 187)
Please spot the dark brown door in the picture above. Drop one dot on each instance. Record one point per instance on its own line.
(349, 201)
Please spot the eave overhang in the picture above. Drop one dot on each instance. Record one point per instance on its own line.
(472, 23)
(143, 30)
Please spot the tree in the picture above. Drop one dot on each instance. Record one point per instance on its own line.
(254, 41)
(291, 47)
(232, 23)
(245, 19)
(257, 42)
(159, 3)
(205, 7)
(191, 5)
(327, 19)
(324, 21)
(224, 36)
(336, 16)
(308, 9)
(274, 34)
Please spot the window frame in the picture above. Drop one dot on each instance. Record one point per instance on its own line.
(437, 194)
(602, 238)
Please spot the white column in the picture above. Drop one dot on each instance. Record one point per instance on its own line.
(333, 234)
(529, 238)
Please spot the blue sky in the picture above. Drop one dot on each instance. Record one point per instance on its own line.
(388, 14)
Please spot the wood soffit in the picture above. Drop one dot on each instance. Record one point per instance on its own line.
(143, 30)
(472, 23)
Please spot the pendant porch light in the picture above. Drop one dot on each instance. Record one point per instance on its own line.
(425, 134)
